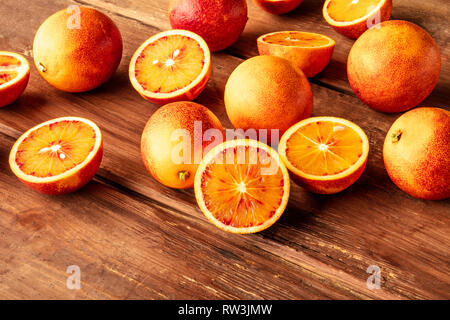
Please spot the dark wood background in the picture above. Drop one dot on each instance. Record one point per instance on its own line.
(134, 238)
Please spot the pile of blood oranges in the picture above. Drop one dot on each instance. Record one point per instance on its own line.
(241, 185)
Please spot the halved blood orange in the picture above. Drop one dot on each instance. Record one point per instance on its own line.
(352, 17)
(171, 66)
(242, 186)
(324, 154)
(58, 156)
(310, 52)
(14, 76)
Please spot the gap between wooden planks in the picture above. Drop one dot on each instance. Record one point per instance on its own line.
(345, 231)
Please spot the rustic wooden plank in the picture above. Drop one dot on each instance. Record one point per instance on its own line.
(128, 247)
(431, 15)
(371, 223)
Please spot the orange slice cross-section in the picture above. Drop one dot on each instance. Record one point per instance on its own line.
(242, 186)
(325, 154)
(14, 76)
(171, 66)
(58, 156)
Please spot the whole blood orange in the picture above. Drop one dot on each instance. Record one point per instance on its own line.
(394, 67)
(352, 17)
(325, 154)
(174, 140)
(278, 6)
(171, 66)
(416, 153)
(310, 52)
(220, 23)
(14, 76)
(58, 156)
(267, 92)
(77, 50)
(242, 186)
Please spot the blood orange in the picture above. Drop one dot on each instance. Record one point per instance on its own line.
(58, 156)
(325, 154)
(171, 66)
(352, 17)
(310, 52)
(14, 76)
(242, 186)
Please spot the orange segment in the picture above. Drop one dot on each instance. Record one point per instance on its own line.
(55, 148)
(352, 17)
(171, 66)
(14, 75)
(241, 186)
(58, 156)
(310, 52)
(326, 154)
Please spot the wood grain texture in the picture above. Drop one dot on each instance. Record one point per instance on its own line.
(134, 236)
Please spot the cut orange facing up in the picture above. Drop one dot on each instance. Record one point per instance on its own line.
(171, 66)
(325, 154)
(352, 17)
(310, 52)
(242, 186)
(14, 76)
(58, 156)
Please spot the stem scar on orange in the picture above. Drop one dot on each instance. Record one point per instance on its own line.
(58, 156)
(241, 186)
(14, 76)
(325, 154)
(171, 66)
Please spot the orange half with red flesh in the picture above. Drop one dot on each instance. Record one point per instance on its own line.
(242, 186)
(58, 156)
(14, 76)
(171, 66)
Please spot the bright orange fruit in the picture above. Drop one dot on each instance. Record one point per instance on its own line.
(352, 17)
(242, 186)
(310, 52)
(325, 154)
(77, 50)
(171, 66)
(416, 153)
(58, 156)
(14, 76)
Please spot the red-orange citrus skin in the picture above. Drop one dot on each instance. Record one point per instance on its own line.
(14, 91)
(416, 153)
(71, 183)
(158, 142)
(220, 23)
(394, 67)
(330, 186)
(76, 59)
(278, 6)
(267, 92)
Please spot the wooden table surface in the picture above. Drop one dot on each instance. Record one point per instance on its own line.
(136, 239)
